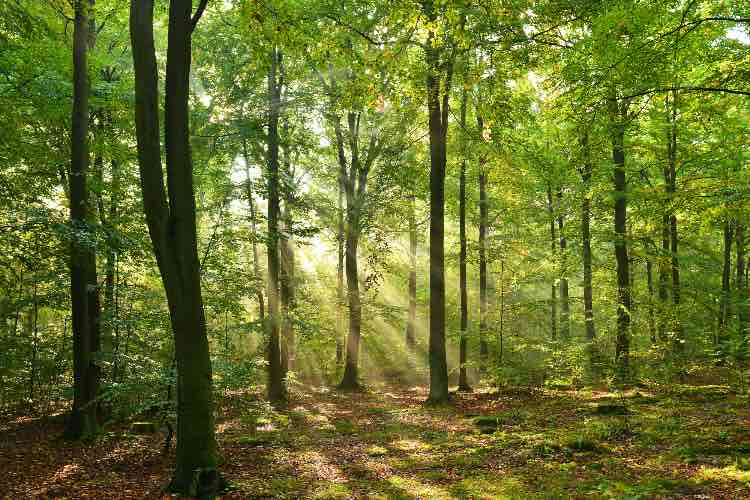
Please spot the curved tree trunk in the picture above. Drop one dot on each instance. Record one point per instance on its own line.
(172, 227)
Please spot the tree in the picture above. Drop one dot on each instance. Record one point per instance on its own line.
(463, 383)
(276, 385)
(83, 418)
(171, 222)
(439, 75)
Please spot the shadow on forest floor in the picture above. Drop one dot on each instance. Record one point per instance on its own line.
(692, 442)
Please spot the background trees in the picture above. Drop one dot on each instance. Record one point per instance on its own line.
(594, 152)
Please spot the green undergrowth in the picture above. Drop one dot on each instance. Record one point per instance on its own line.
(549, 444)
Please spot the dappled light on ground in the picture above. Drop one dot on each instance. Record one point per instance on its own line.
(645, 443)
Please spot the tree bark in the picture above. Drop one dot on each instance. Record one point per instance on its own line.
(483, 215)
(355, 189)
(172, 228)
(741, 282)
(254, 235)
(588, 300)
(673, 236)
(553, 287)
(651, 313)
(564, 298)
(618, 117)
(463, 382)
(726, 292)
(411, 322)
(664, 266)
(437, 108)
(340, 276)
(276, 387)
(82, 421)
(287, 264)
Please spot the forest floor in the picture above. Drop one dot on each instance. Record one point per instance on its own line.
(690, 442)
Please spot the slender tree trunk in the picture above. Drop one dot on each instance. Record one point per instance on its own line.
(83, 418)
(172, 228)
(276, 388)
(463, 382)
(726, 292)
(111, 257)
(350, 379)
(502, 312)
(287, 265)
(483, 215)
(741, 283)
(651, 314)
(340, 277)
(564, 299)
(553, 239)
(618, 114)
(588, 300)
(34, 317)
(664, 265)
(355, 184)
(673, 236)
(438, 129)
(411, 322)
(254, 235)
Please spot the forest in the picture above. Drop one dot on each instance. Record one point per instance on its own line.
(404, 249)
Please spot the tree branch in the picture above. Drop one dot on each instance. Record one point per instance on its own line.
(198, 13)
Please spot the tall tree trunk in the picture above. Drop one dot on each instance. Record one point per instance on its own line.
(83, 418)
(741, 283)
(276, 388)
(651, 313)
(411, 322)
(438, 130)
(664, 265)
(672, 189)
(355, 184)
(254, 235)
(340, 276)
(463, 382)
(564, 299)
(553, 239)
(588, 300)
(726, 292)
(172, 228)
(350, 379)
(287, 264)
(618, 116)
(110, 225)
(502, 313)
(483, 214)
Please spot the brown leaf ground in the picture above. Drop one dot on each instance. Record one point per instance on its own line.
(691, 442)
